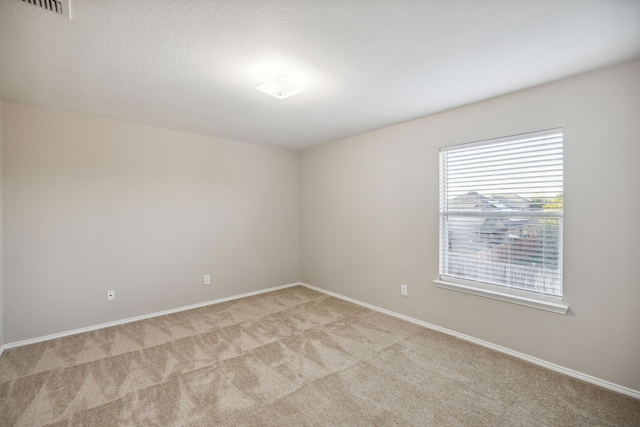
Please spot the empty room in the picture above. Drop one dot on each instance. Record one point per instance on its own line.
(320, 213)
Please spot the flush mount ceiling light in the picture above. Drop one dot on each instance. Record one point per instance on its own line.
(280, 88)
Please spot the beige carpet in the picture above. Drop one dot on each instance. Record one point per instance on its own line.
(293, 357)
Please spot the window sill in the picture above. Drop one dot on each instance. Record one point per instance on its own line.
(515, 299)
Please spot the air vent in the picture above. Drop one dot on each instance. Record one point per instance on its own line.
(61, 7)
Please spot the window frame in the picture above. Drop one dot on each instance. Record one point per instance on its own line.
(539, 300)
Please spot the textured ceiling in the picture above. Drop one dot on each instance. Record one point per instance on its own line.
(191, 65)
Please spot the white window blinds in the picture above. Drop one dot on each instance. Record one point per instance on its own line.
(501, 213)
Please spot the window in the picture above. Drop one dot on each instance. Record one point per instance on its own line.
(501, 211)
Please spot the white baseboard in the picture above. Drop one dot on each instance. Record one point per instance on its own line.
(561, 369)
(144, 316)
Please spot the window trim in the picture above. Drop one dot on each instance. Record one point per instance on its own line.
(516, 297)
(547, 302)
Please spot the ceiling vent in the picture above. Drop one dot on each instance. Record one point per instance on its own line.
(61, 7)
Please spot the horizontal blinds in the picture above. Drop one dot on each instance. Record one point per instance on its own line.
(501, 204)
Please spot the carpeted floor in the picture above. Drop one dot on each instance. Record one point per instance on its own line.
(292, 357)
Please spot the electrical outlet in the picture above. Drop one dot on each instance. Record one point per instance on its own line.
(111, 295)
(207, 279)
(403, 290)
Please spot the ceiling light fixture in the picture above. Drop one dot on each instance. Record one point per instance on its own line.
(280, 88)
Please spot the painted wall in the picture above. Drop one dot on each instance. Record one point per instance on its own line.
(93, 204)
(1, 240)
(370, 222)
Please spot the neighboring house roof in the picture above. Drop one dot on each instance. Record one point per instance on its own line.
(476, 201)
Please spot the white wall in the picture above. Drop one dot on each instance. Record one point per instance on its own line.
(370, 222)
(94, 204)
